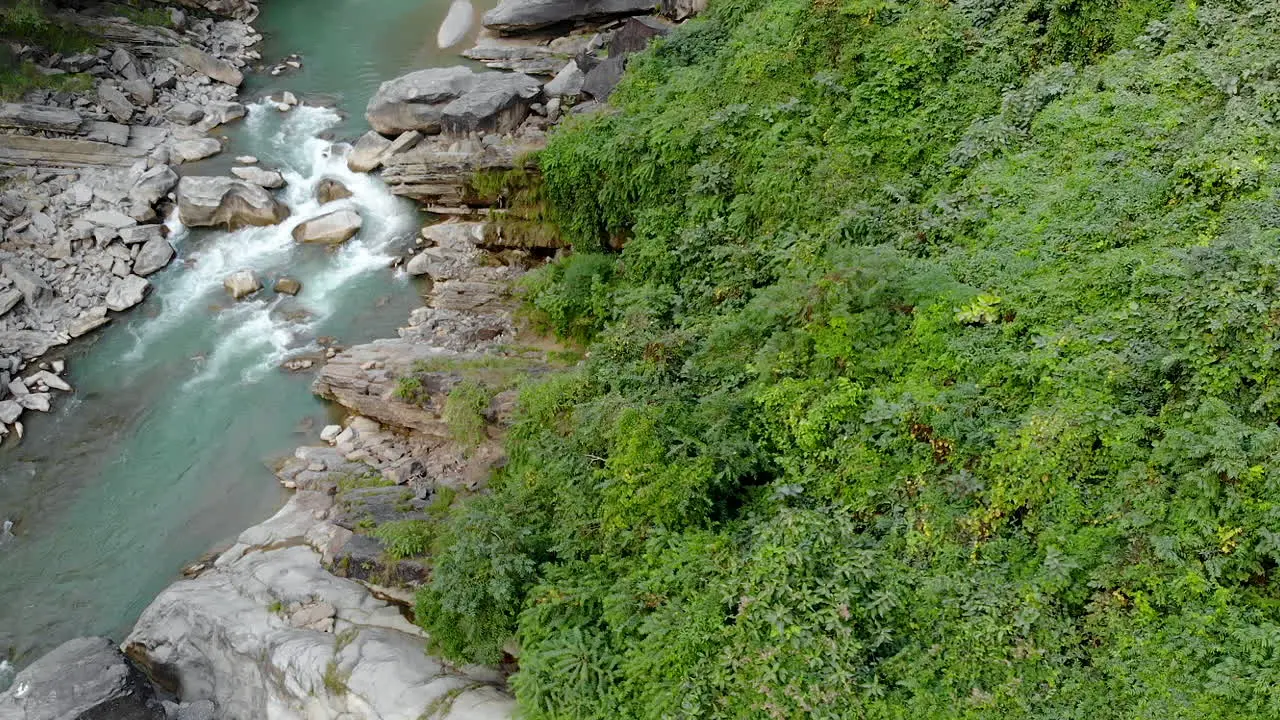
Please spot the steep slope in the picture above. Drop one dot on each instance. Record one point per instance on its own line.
(936, 375)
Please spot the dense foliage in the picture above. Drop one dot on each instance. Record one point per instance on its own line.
(938, 377)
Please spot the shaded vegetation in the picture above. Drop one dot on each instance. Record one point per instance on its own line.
(937, 377)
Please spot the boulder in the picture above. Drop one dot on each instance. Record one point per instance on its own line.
(81, 679)
(154, 255)
(457, 23)
(25, 281)
(185, 113)
(604, 77)
(526, 15)
(635, 34)
(9, 299)
(242, 283)
(192, 150)
(126, 292)
(454, 100)
(115, 102)
(140, 90)
(89, 320)
(329, 190)
(680, 10)
(206, 64)
(219, 201)
(269, 179)
(222, 112)
(287, 286)
(366, 155)
(331, 228)
(39, 117)
(10, 410)
(113, 219)
(567, 83)
(105, 132)
(153, 185)
(139, 234)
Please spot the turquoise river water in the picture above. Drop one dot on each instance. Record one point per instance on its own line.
(160, 454)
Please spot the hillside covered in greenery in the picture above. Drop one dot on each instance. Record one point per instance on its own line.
(938, 375)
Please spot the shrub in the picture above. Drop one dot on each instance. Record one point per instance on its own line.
(405, 538)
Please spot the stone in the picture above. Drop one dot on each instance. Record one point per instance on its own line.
(206, 64)
(247, 160)
(327, 434)
(329, 190)
(635, 34)
(39, 117)
(404, 143)
(366, 155)
(81, 679)
(140, 90)
(456, 24)
(88, 321)
(10, 411)
(287, 286)
(526, 15)
(126, 292)
(18, 387)
(34, 401)
(113, 219)
(154, 255)
(122, 63)
(185, 113)
(604, 77)
(25, 281)
(50, 380)
(454, 100)
(139, 234)
(680, 10)
(192, 150)
(153, 185)
(309, 615)
(222, 112)
(227, 202)
(105, 132)
(567, 83)
(288, 98)
(115, 102)
(241, 284)
(9, 299)
(331, 228)
(269, 179)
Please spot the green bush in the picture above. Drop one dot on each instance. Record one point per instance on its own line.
(464, 413)
(937, 377)
(405, 538)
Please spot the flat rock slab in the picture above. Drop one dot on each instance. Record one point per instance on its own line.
(39, 117)
(454, 100)
(192, 150)
(33, 151)
(269, 179)
(526, 15)
(332, 228)
(206, 64)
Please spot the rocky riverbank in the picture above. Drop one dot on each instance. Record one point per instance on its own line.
(305, 616)
(91, 174)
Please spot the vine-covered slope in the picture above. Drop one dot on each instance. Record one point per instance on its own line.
(938, 375)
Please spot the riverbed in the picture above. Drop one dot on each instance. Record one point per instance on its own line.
(161, 453)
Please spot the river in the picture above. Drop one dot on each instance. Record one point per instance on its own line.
(161, 453)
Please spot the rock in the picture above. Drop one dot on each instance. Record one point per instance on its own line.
(154, 255)
(25, 281)
(404, 143)
(218, 201)
(247, 160)
(222, 112)
(287, 286)
(604, 77)
(140, 90)
(269, 179)
(455, 100)
(219, 637)
(177, 19)
(39, 117)
(81, 679)
(567, 83)
(185, 113)
(367, 152)
(115, 102)
(34, 401)
(206, 64)
(526, 15)
(106, 132)
(192, 150)
(126, 292)
(113, 219)
(635, 34)
(439, 174)
(50, 380)
(153, 185)
(139, 234)
(242, 283)
(680, 10)
(10, 411)
(331, 228)
(122, 63)
(9, 299)
(329, 190)
(288, 98)
(88, 321)
(327, 434)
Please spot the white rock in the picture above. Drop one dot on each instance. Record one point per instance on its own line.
(269, 179)
(242, 283)
(328, 433)
(127, 292)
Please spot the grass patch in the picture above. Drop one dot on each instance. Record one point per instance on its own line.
(464, 412)
(335, 679)
(350, 482)
(17, 82)
(143, 14)
(404, 539)
(28, 22)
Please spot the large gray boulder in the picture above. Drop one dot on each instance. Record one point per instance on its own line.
(332, 228)
(206, 64)
(154, 255)
(39, 117)
(153, 185)
(192, 150)
(82, 679)
(115, 102)
(526, 15)
(270, 179)
(453, 100)
(27, 282)
(567, 83)
(241, 284)
(367, 153)
(226, 202)
(268, 632)
(126, 292)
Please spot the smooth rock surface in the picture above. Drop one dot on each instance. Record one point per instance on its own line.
(454, 100)
(366, 155)
(331, 228)
(126, 292)
(217, 201)
(192, 150)
(269, 179)
(241, 284)
(82, 679)
(154, 255)
(526, 15)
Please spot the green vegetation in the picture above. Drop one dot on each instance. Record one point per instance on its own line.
(411, 390)
(405, 538)
(29, 22)
(335, 679)
(936, 378)
(522, 219)
(464, 412)
(350, 482)
(275, 607)
(18, 81)
(142, 13)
